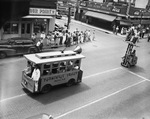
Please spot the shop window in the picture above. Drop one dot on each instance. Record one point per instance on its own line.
(11, 28)
(28, 28)
(40, 25)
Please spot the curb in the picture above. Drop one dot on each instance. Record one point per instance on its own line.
(97, 28)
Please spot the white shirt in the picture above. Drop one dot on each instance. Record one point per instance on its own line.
(38, 43)
(36, 74)
(43, 35)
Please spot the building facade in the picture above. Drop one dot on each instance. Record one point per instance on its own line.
(40, 18)
(121, 12)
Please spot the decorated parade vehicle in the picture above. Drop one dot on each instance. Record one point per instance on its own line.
(130, 58)
(58, 67)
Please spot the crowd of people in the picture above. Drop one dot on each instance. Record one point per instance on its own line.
(63, 38)
(139, 30)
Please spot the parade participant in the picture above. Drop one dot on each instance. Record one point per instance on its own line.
(43, 35)
(28, 70)
(36, 76)
(135, 38)
(130, 34)
(61, 38)
(33, 37)
(48, 37)
(39, 45)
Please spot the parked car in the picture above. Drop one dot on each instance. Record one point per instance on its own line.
(58, 16)
(16, 46)
(16, 40)
(59, 27)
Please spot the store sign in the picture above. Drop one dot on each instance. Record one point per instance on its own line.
(42, 11)
(116, 10)
(136, 13)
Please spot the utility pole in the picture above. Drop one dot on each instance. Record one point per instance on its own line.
(128, 8)
(141, 12)
(69, 16)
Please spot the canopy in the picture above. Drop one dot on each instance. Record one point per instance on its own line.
(32, 16)
(100, 16)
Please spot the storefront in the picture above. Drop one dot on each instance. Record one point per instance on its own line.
(42, 20)
(39, 20)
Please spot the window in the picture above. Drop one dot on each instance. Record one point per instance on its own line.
(55, 67)
(11, 28)
(47, 69)
(62, 66)
(70, 65)
(77, 64)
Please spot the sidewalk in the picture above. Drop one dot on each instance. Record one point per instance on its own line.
(54, 48)
(97, 28)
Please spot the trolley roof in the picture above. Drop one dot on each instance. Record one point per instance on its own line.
(39, 58)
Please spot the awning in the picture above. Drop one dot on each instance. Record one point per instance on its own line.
(32, 16)
(100, 16)
(125, 23)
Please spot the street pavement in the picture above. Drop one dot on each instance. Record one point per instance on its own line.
(108, 90)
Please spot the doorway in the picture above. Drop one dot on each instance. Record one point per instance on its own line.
(26, 30)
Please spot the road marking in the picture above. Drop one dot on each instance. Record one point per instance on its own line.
(83, 78)
(102, 72)
(98, 100)
(139, 76)
(13, 97)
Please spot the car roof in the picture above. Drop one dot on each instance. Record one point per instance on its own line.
(19, 38)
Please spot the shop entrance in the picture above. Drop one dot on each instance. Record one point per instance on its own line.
(26, 30)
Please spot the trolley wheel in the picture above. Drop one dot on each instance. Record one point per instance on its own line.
(46, 88)
(70, 82)
(3, 55)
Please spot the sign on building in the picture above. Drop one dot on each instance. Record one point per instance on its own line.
(42, 11)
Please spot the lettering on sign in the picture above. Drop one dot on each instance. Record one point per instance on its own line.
(55, 78)
(136, 13)
(41, 11)
(71, 74)
(59, 77)
(83, 4)
(116, 10)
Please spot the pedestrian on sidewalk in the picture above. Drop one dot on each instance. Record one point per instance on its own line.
(33, 37)
(93, 35)
(117, 29)
(82, 37)
(148, 37)
(114, 29)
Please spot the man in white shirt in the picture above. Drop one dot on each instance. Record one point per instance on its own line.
(36, 76)
(39, 45)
